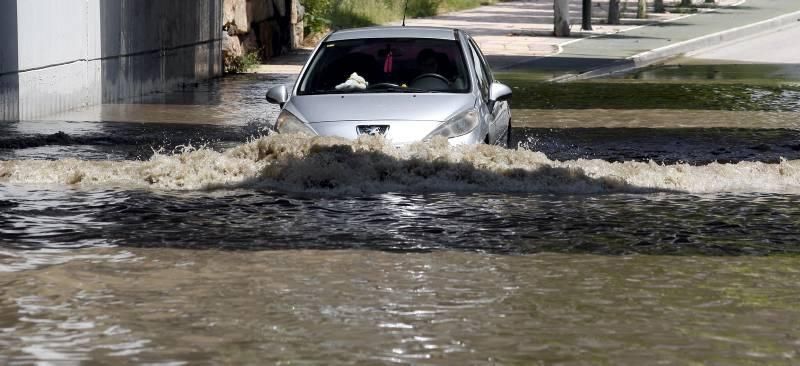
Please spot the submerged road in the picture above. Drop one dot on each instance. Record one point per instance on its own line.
(179, 234)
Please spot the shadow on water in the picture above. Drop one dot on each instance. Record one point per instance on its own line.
(347, 202)
(508, 224)
(688, 70)
(9, 61)
(694, 146)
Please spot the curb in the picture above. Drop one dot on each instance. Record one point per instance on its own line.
(660, 54)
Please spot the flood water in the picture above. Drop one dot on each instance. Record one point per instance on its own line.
(175, 230)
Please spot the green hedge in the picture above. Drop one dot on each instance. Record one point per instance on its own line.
(336, 14)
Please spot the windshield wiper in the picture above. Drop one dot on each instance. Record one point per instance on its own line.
(378, 89)
(396, 89)
(336, 91)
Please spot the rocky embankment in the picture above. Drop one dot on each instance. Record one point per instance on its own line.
(268, 27)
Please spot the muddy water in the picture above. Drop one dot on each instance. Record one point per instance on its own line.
(360, 306)
(628, 233)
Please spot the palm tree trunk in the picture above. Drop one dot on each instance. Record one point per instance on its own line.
(561, 18)
(659, 6)
(613, 12)
(641, 12)
(587, 15)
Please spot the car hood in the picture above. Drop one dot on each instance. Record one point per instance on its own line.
(378, 107)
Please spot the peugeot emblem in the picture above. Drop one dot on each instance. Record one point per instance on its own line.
(372, 130)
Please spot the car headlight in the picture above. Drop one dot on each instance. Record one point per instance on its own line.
(289, 123)
(460, 124)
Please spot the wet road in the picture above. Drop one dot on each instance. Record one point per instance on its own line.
(625, 229)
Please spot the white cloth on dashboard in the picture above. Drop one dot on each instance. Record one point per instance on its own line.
(353, 83)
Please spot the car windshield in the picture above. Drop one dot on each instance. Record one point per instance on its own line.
(387, 65)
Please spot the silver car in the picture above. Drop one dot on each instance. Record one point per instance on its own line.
(405, 83)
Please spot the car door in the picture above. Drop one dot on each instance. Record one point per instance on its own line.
(498, 114)
(483, 89)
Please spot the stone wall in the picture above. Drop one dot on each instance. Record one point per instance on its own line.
(270, 27)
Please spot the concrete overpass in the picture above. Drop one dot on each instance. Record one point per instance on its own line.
(57, 55)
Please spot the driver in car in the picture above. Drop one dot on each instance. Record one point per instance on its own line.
(427, 62)
(431, 72)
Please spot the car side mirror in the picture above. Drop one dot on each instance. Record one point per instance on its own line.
(498, 92)
(278, 95)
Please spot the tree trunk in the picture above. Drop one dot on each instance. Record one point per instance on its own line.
(587, 15)
(641, 11)
(659, 6)
(561, 18)
(613, 12)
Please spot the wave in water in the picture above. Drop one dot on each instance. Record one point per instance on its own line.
(372, 165)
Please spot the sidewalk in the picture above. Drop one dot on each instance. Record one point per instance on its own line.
(641, 46)
(515, 31)
(517, 35)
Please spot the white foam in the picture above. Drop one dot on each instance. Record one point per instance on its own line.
(371, 164)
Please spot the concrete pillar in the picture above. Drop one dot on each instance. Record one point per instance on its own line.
(9, 58)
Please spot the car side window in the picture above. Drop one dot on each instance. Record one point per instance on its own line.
(483, 82)
(484, 65)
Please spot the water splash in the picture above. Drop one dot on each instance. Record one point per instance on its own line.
(370, 165)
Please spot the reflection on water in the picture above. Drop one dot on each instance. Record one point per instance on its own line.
(453, 308)
(610, 94)
(43, 140)
(621, 120)
(217, 114)
(233, 100)
(694, 70)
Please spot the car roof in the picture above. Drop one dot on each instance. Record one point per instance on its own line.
(394, 32)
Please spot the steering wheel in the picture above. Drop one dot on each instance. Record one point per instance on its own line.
(431, 75)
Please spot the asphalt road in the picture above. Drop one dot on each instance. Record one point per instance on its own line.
(779, 46)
